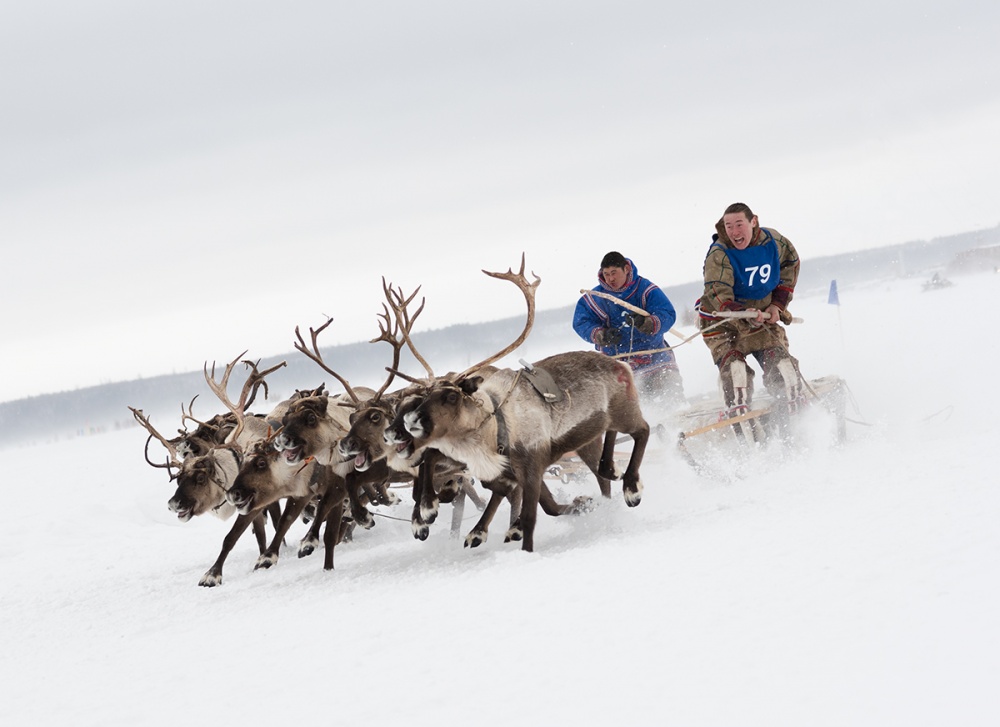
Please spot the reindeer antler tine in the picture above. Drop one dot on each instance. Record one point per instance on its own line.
(256, 381)
(221, 389)
(406, 377)
(528, 289)
(172, 459)
(317, 357)
(391, 330)
(189, 415)
(400, 306)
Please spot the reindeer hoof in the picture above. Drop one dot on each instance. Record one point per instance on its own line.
(211, 580)
(309, 514)
(633, 494)
(365, 520)
(428, 514)
(513, 535)
(420, 532)
(391, 498)
(307, 547)
(582, 504)
(475, 539)
(449, 490)
(266, 561)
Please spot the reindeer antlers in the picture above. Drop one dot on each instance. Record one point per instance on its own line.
(172, 459)
(316, 356)
(390, 332)
(404, 323)
(528, 289)
(254, 381)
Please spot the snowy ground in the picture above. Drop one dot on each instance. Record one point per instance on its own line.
(832, 587)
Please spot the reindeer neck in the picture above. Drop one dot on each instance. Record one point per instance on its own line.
(228, 461)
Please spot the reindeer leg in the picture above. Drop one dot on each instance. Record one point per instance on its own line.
(358, 510)
(293, 508)
(421, 482)
(449, 486)
(383, 495)
(213, 576)
(631, 484)
(477, 536)
(592, 455)
(457, 510)
(334, 494)
(551, 507)
(471, 493)
(606, 468)
(529, 476)
(331, 536)
(428, 495)
(260, 533)
(307, 546)
(274, 512)
(515, 495)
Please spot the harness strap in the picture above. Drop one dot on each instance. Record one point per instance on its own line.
(503, 436)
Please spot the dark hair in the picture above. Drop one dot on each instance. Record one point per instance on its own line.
(739, 207)
(614, 260)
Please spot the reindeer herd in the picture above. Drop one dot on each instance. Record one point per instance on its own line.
(330, 457)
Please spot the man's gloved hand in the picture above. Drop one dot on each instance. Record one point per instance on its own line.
(608, 337)
(643, 323)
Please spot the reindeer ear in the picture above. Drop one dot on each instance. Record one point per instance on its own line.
(471, 384)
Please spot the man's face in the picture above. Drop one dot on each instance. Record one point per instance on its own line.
(739, 229)
(615, 277)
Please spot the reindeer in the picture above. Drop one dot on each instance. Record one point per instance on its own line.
(402, 446)
(312, 428)
(503, 428)
(436, 478)
(316, 428)
(263, 480)
(206, 460)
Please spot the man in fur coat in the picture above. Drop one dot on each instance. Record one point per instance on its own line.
(749, 268)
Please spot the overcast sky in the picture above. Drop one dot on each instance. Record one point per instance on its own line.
(180, 181)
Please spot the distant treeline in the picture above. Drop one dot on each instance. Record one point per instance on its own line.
(98, 409)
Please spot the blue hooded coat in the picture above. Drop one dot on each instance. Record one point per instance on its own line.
(594, 313)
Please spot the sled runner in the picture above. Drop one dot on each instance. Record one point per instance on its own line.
(709, 425)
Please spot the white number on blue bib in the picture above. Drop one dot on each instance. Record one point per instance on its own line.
(764, 270)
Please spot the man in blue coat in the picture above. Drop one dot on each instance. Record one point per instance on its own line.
(624, 332)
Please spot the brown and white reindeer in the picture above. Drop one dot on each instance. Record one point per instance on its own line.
(435, 477)
(313, 426)
(261, 481)
(204, 463)
(505, 428)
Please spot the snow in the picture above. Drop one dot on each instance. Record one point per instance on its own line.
(830, 586)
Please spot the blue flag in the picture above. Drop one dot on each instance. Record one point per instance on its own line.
(834, 298)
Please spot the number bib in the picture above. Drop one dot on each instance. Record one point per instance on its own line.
(756, 270)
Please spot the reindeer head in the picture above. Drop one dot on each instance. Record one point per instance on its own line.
(203, 483)
(446, 399)
(205, 437)
(364, 442)
(397, 439)
(306, 429)
(368, 439)
(264, 478)
(445, 407)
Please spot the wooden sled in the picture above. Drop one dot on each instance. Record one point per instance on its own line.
(708, 424)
